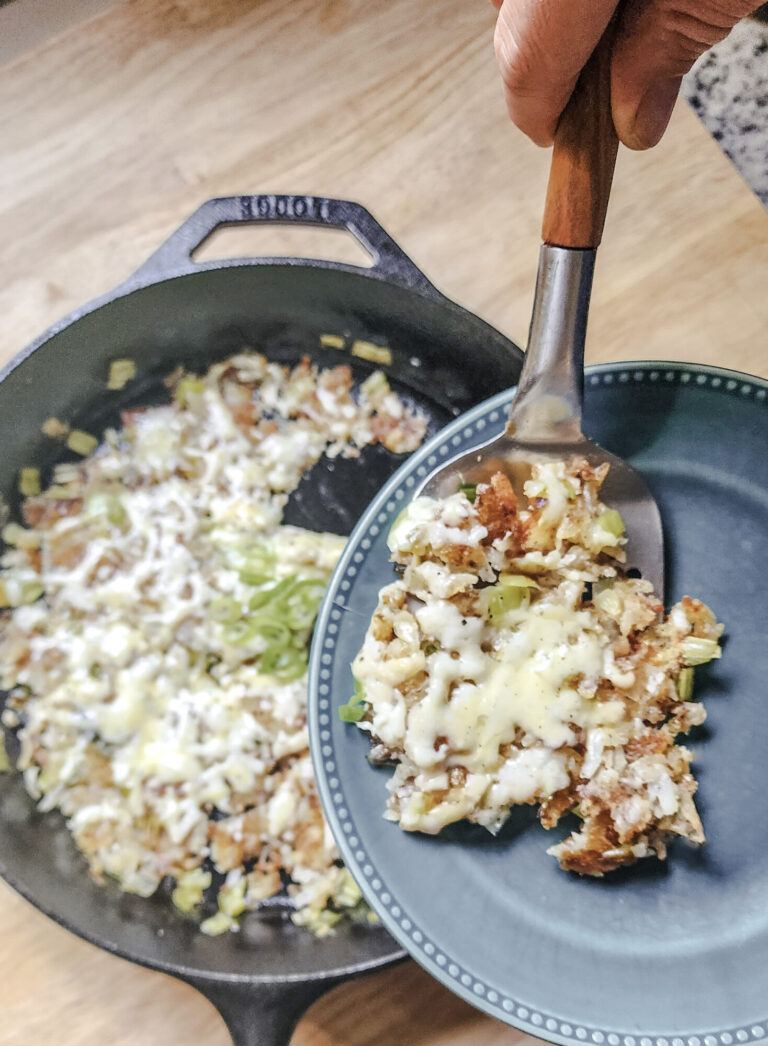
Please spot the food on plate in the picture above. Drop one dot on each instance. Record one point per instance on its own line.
(514, 661)
(155, 633)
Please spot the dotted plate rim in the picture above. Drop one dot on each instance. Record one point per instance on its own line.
(403, 927)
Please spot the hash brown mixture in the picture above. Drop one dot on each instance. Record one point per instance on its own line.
(515, 662)
(156, 616)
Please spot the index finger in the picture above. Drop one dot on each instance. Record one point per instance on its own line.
(541, 47)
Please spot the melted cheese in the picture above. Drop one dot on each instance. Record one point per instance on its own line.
(478, 701)
(484, 686)
(427, 522)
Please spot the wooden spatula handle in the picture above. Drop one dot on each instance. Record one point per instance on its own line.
(583, 158)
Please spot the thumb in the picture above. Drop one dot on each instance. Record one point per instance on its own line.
(657, 42)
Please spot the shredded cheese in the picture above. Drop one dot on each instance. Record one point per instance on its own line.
(160, 682)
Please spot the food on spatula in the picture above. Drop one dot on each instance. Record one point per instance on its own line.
(514, 661)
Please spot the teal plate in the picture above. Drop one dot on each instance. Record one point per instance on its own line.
(668, 953)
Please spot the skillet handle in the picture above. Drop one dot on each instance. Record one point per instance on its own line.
(263, 1014)
(174, 257)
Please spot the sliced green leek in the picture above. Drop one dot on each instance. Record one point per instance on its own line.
(189, 890)
(398, 520)
(81, 442)
(257, 578)
(348, 894)
(120, 373)
(510, 593)
(320, 923)
(61, 492)
(518, 581)
(697, 650)
(231, 899)
(187, 388)
(269, 593)
(217, 924)
(366, 350)
(285, 663)
(354, 710)
(18, 592)
(21, 537)
(5, 763)
(31, 591)
(106, 503)
(292, 601)
(332, 341)
(54, 428)
(280, 613)
(238, 631)
(608, 601)
(469, 490)
(210, 662)
(29, 482)
(375, 385)
(611, 521)
(685, 683)
(256, 563)
(299, 604)
(275, 631)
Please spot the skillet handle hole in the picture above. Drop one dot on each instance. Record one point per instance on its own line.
(266, 240)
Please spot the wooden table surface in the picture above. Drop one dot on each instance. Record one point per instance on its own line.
(114, 132)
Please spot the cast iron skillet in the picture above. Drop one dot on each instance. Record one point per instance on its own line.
(176, 311)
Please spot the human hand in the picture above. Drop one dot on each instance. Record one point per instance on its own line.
(541, 46)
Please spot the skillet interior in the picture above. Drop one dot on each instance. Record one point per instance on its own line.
(444, 360)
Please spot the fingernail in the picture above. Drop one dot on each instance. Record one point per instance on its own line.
(653, 114)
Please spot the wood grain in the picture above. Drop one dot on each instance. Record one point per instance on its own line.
(583, 158)
(113, 133)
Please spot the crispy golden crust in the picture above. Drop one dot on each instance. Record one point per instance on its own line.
(496, 507)
(598, 849)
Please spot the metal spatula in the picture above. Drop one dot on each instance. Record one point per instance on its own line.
(545, 417)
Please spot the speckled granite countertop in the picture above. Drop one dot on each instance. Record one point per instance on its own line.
(728, 88)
